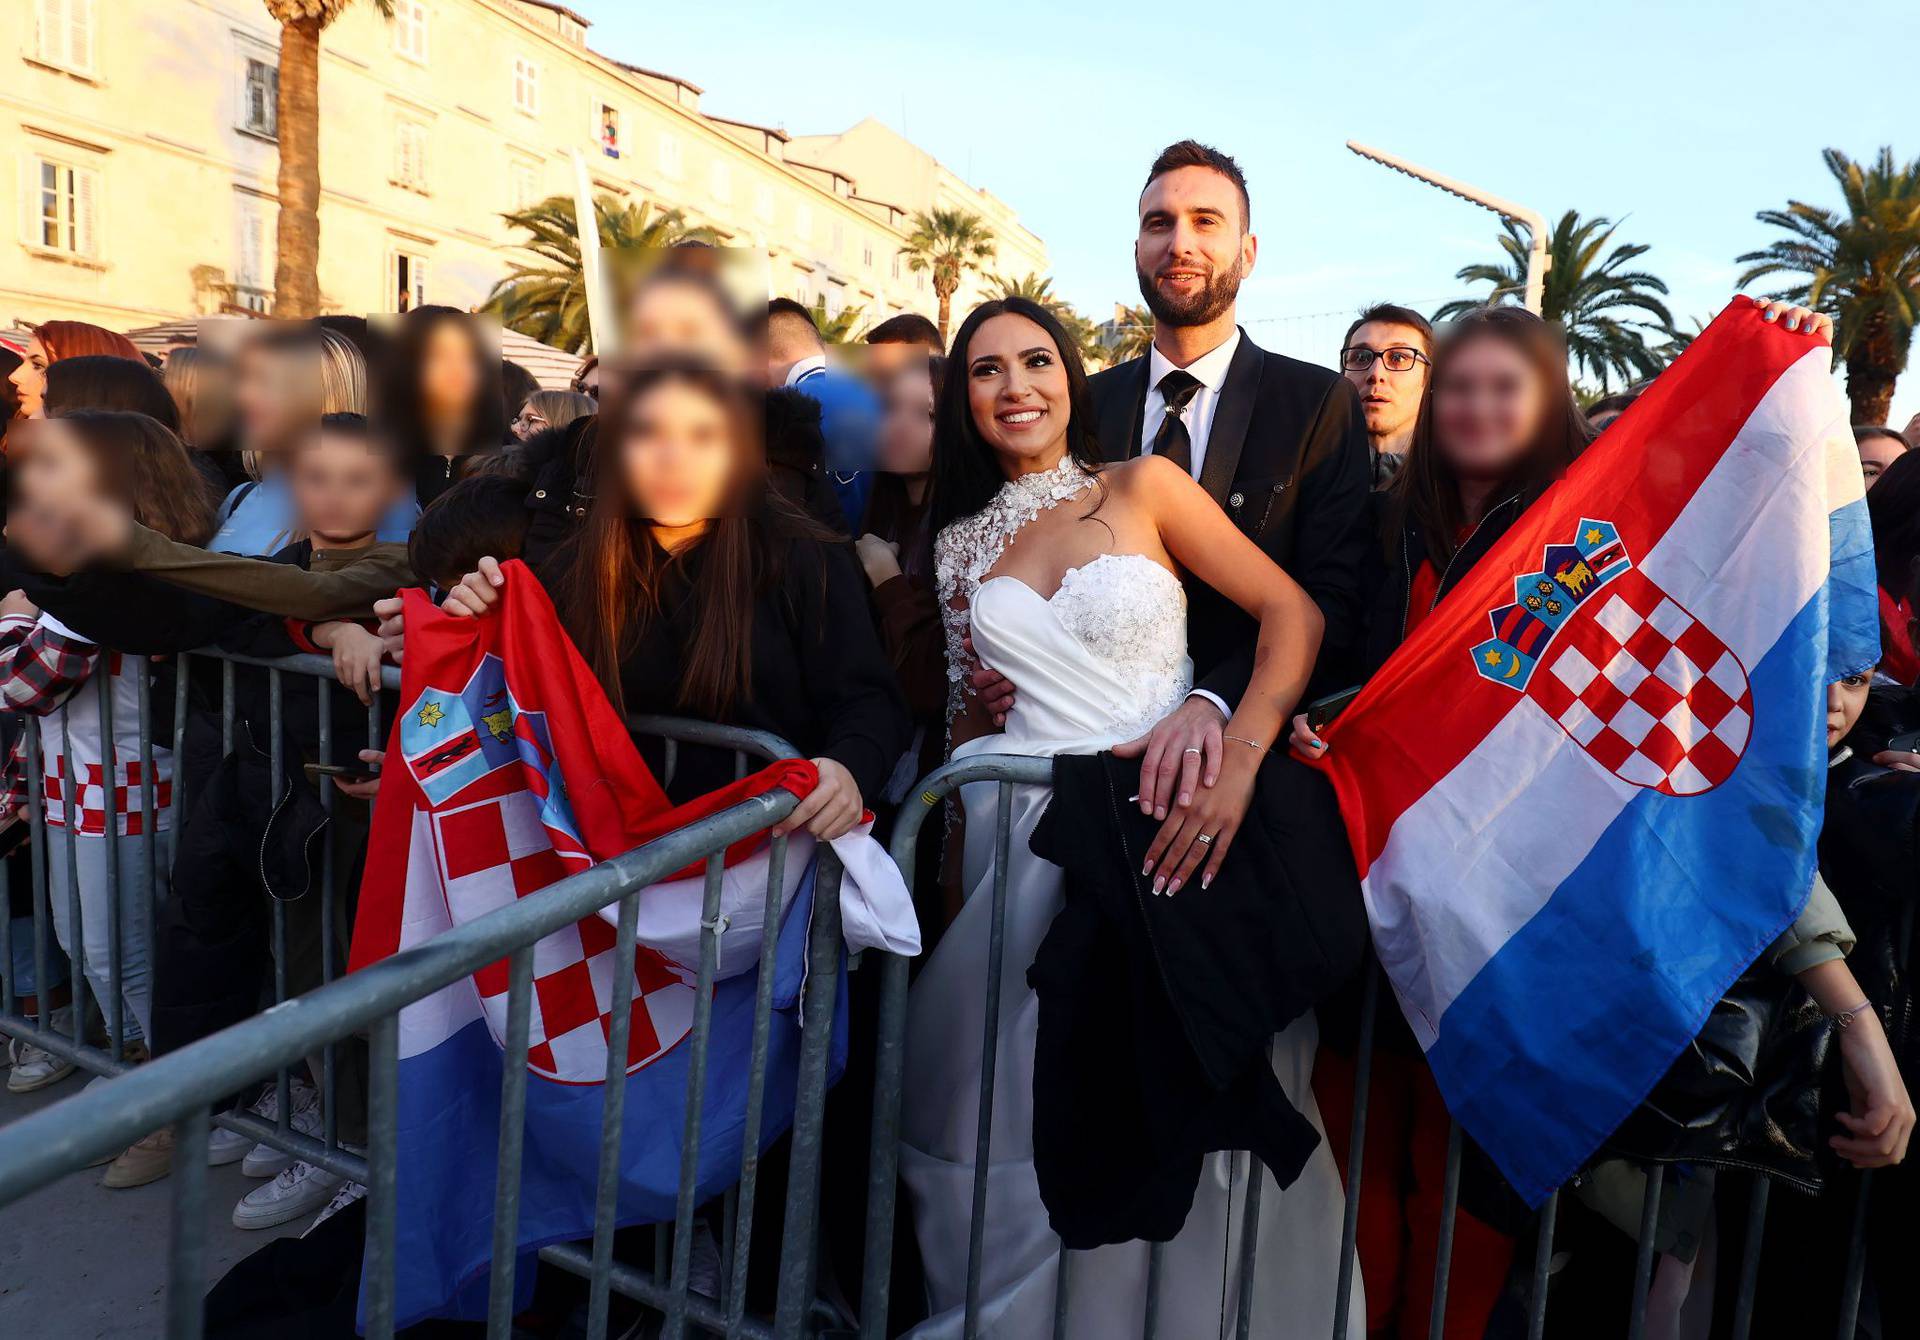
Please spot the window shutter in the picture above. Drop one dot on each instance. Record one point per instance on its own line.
(50, 30)
(80, 34)
(85, 194)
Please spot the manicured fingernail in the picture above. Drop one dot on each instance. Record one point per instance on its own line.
(1160, 811)
(1147, 869)
(1206, 881)
(1173, 888)
(1159, 883)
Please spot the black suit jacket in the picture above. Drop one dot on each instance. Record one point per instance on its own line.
(1287, 459)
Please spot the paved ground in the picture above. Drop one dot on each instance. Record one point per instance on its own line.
(79, 1262)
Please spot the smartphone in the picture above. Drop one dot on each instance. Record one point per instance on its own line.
(341, 772)
(1906, 744)
(1322, 711)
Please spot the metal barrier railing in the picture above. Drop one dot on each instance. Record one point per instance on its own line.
(182, 1087)
(1008, 771)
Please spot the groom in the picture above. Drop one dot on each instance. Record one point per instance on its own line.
(1279, 444)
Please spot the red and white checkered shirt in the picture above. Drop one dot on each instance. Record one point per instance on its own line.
(49, 671)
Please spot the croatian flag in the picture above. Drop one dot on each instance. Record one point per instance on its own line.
(507, 770)
(1584, 795)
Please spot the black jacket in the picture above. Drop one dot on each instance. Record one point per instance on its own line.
(1156, 1014)
(1287, 459)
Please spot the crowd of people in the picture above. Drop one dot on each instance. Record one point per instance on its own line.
(891, 556)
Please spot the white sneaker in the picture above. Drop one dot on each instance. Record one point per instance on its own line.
(300, 1189)
(225, 1146)
(348, 1193)
(35, 1068)
(263, 1160)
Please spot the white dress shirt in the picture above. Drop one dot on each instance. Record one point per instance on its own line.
(805, 368)
(1211, 369)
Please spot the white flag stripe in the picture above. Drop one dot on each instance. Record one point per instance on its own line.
(1744, 556)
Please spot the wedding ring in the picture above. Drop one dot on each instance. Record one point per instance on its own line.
(1190, 749)
(1204, 837)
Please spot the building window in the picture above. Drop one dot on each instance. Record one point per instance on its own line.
(253, 266)
(407, 281)
(763, 202)
(670, 161)
(63, 34)
(803, 222)
(64, 209)
(866, 253)
(526, 86)
(720, 181)
(410, 155)
(839, 247)
(523, 185)
(606, 128)
(410, 29)
(260, 98)
(897, 265)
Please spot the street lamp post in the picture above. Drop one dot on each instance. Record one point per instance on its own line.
(1537, 258)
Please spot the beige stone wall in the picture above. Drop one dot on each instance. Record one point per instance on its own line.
(434, 124)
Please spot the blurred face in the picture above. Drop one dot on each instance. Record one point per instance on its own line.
(1846, 699)
(1389, 400)
(666, 317)
(449, 372)
(55, 468)
(1193, 247)
(906, 431)
(1876, 454)
(1017, 391)
(590, 384)
(678, 457)
(1488, 407)
(341, 486)
(886, 361)
(528, 422)
(30, 380)
(276, 398)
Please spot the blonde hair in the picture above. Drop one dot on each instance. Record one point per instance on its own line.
(560, 408)
(199, 382)
(343, 375)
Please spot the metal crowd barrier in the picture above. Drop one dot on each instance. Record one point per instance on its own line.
(180, 1088)
(1008, 771)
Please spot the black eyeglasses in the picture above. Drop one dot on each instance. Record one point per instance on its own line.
(1358, 358)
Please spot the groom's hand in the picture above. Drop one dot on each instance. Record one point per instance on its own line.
(995, 690)
(1177, 756)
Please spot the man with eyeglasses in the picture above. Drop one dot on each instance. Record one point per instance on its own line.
(1387, 354)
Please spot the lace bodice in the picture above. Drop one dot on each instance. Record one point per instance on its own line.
(966, 551)
(1131, 613)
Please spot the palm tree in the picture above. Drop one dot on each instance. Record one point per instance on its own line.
(951, 243)
(1135, 333)
(1597, 301)
(840, 329)
(296, 268)
(1038, 288)
(1862, 266)
(549, 301)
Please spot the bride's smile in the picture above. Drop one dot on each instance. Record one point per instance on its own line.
(1017, 388)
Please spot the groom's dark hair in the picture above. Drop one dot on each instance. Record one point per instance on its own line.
(1192, 153)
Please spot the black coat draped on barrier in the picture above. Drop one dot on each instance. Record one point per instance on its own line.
(1156, 1012)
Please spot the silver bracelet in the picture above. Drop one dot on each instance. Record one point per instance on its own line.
(1251, 744)
(1845, 1018)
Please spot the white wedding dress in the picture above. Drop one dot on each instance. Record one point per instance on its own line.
(1096, 664)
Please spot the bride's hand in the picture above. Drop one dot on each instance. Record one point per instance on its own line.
(1304, 741)
(1203, 830)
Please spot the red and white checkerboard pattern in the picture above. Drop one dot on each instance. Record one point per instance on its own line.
(496, 851)
(128, 797)
(1647, 689)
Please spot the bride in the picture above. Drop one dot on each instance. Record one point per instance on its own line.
(1065, 576)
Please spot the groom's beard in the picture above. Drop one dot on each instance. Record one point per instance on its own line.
(1209, 304)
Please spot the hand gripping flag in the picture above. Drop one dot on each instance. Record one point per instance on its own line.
(507, 770)
(1584, 795)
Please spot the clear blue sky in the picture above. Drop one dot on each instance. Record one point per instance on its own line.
(1679, 124)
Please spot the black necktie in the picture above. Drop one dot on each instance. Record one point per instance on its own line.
(1173, 441)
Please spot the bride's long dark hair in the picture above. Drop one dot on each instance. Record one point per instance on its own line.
(966, 473)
